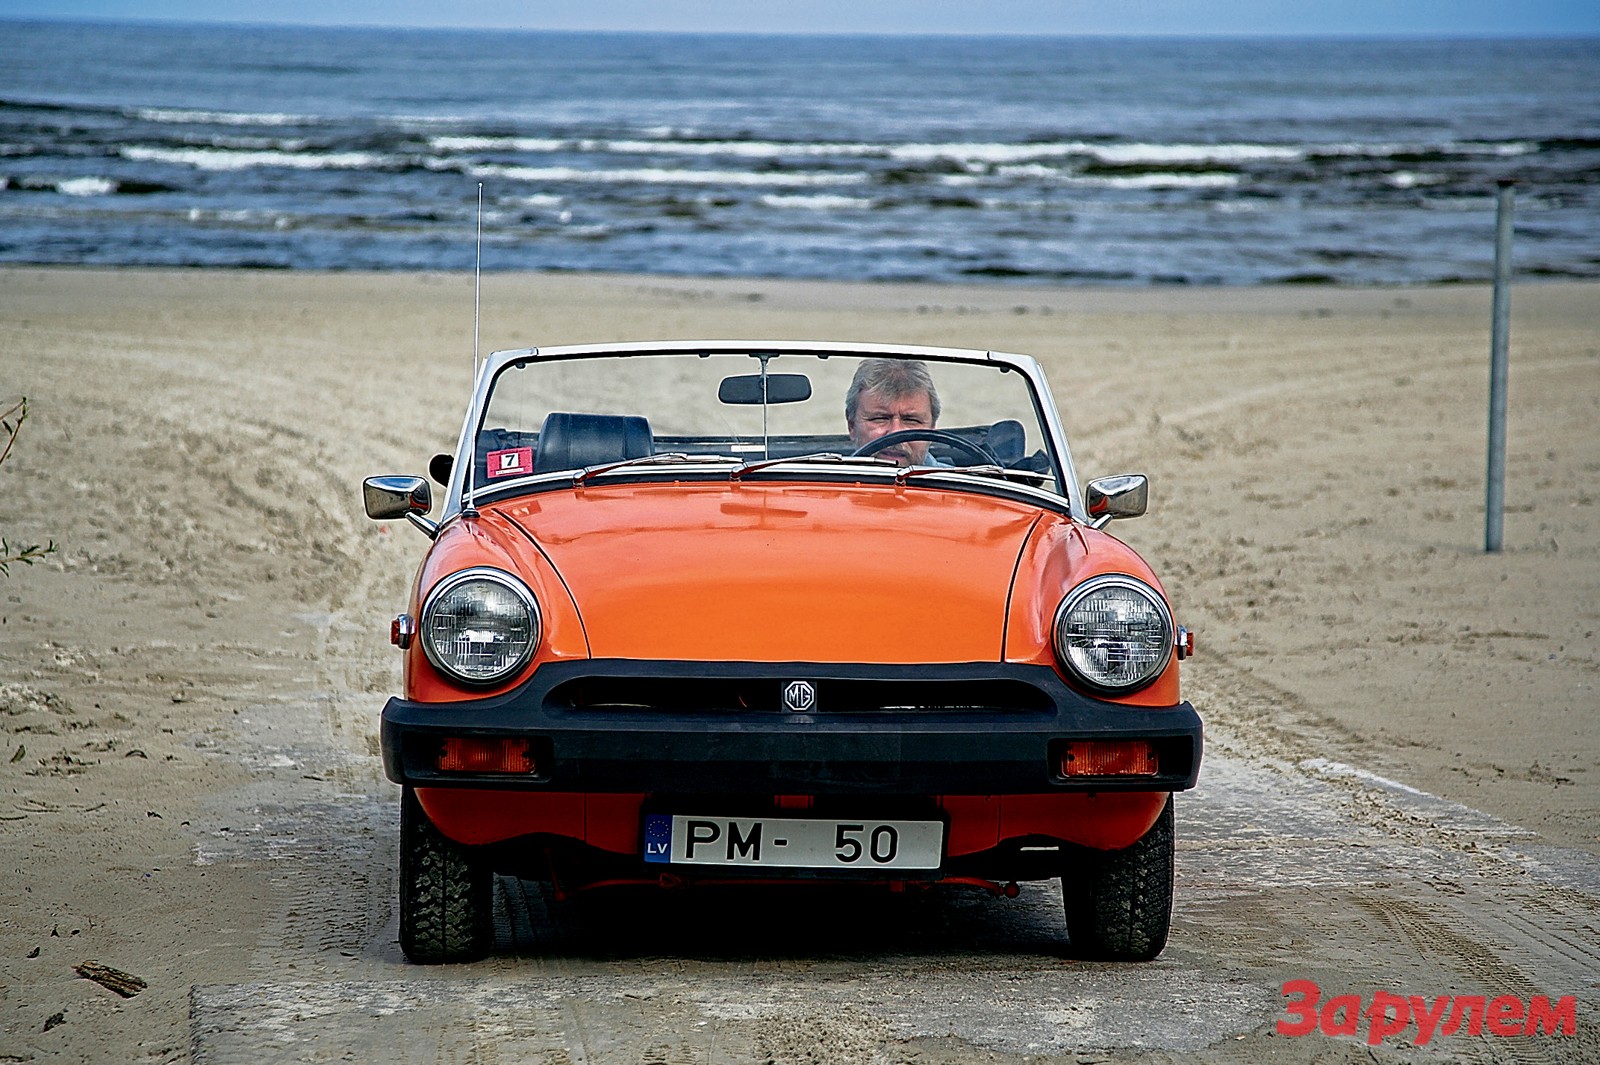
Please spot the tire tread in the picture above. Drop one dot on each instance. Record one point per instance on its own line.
(446, 901)
(1119, 904)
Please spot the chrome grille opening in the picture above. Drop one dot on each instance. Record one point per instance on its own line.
(765, 695)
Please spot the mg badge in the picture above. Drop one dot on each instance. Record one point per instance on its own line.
(799, 696)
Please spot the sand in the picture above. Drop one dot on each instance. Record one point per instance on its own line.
(197, 440)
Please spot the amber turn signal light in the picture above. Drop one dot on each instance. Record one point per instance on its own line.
(1109, 758)
(468, 754)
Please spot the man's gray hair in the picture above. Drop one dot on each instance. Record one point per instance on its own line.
(892, 379)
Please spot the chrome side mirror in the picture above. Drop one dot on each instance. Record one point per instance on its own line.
(387, 498)
(1123, 496)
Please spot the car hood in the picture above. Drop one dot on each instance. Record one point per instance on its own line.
(782, 573)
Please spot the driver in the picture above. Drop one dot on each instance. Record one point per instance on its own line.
(886, 396)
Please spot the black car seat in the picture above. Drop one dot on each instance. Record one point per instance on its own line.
(574, 441)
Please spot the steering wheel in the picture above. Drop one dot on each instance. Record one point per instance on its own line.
(936, 436)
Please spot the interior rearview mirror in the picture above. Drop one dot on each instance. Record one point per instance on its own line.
(745, 389)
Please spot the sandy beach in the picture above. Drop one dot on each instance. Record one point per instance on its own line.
(195, 447)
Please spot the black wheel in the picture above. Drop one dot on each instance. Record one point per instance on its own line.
(1119, 903)
(446, 903)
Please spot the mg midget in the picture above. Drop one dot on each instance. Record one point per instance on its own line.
(717, 612)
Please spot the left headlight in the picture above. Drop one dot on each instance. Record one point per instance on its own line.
(1114, 633)
(480, 625)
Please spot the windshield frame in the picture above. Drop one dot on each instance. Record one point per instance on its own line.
(1026, 366)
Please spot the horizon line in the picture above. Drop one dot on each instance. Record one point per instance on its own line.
(1324, 35)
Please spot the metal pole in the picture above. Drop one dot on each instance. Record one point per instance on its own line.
(1499, 344)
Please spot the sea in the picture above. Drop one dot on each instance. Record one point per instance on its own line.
(1005, 159)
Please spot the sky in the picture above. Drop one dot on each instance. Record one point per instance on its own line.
(1433, 18)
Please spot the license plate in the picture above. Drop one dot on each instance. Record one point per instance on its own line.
(781, 842)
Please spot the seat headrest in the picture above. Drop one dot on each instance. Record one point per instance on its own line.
(574, 441)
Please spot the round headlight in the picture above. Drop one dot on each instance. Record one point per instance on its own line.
(1114, 633)
(480, 625)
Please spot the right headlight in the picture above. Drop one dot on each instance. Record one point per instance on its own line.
(480, 625)
(1114, 633)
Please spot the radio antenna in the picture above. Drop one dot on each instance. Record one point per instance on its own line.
(467, 509)
(477, 287)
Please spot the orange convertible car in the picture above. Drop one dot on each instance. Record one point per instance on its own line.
(713, 612)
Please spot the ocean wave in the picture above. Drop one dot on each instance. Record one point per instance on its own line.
(249, 144)
(86, 186)
(1154, 181)
(1418, 151)
(663, 176)
(820, 202)
(539, 200)
(1194, 153)
(973, 153)
(497, 144)
(192, 117)
(1504, 148)
(74, 186)
(1407, 179)
(1022, 171)
(221, 159)
(247, 217)
(738, 149)
(9, 104)
(980, 157)
(1120, 178)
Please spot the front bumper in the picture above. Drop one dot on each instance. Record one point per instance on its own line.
(715, 728)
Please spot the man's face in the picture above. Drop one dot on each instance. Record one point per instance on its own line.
(877, 414)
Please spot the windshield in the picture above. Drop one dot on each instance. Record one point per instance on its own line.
(548, 415)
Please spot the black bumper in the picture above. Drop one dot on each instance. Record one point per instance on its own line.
(710, 728)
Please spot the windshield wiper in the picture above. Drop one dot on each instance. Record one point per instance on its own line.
(1031, 478)
(828, 458)
(666, 458)
(985, 470)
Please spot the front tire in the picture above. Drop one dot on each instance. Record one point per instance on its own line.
(1119, 903)
(446, 901)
